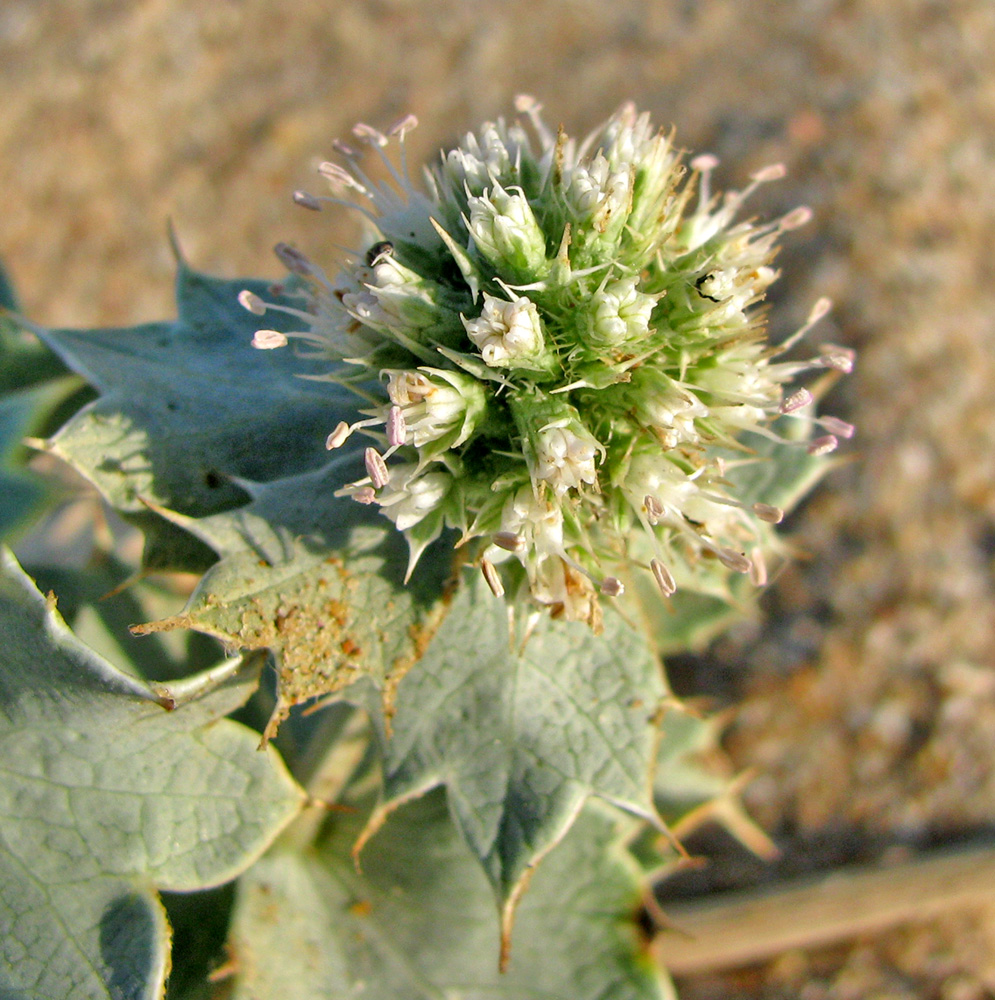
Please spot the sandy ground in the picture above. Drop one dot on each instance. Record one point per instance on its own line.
(866, 702)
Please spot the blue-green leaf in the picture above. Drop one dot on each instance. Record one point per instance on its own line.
(188, 407)
(522, 731)
(318, 580)
(419, 922)
(107, 793)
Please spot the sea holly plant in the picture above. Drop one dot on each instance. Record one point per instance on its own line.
(459, 497)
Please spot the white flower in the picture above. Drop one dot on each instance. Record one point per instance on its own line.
(409, 498)
(590, 188)
(621, 314)
(537, 522)
(564, 458)
(669, 410)
(436, 403)
(505, 231)
(506, 332)
(478, 163)
(571, 355)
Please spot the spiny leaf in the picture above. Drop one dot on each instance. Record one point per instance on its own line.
(420, 922)
(188, 406)
(106, 794)
(319, 581)
(99, 611)
(22, 413)
(8, 297)
(18, 493)
(523, 731)
(24, 362)
(682, 784)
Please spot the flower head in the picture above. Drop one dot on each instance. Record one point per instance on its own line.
(563, 354)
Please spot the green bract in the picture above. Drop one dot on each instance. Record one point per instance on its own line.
(562, 355)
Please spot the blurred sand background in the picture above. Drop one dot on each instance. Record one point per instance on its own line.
(866, 701)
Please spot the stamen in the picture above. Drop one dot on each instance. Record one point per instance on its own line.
(365, 495)
(736, 561)
(339, 436)
(654, 508)
(526, 104)
(301, 314)
(798, 400)
(492, 577)
(376, 468)
(369, 134)
(795, 219)
(704, 163)
(340, 178)
(401, 127)
(267, 340)
(345, 149)
(308, 201)
(774, 172)
(293, 260)
(818, 310)
(396, 427)
(769, 513)
(838, 427)
(509, 541)
(758, 568)
(612, 586)
(840, 358)
(664, 578)
(252, 302)
(823, 445)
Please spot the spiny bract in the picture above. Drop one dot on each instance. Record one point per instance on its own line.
(559, 349)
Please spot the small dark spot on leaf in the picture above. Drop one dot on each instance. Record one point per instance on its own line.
(212, 480)
(172, 407)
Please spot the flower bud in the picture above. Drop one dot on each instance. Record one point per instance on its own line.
(401, 303)
(439, 407)
(621, 315)
(409, 498)
(663, 407)
(509, 334)
(478, 163)
(559, 449)
(598, 199)
(506, 233)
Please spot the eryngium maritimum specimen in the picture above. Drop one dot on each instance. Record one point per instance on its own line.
(560, 351)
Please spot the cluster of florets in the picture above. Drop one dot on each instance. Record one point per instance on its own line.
(560, 353)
